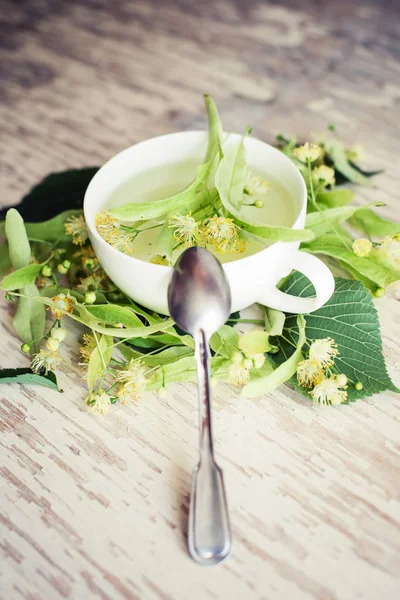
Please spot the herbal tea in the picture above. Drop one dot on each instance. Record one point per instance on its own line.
(266, 202)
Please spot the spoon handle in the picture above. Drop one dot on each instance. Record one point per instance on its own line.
(209, 534)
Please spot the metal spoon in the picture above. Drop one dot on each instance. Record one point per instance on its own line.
(199, 300)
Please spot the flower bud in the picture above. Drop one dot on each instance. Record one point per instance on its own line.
(47, 271)
(61, 269)
(259, 204)
(58, 333)
(341, 379)
(90, 297)
(379, 292)
(89, 263)
(52, 344)
(26, 348)
(359, 386)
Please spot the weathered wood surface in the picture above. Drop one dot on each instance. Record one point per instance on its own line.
(97, 507)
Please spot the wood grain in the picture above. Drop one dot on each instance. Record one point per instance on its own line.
(97, 507)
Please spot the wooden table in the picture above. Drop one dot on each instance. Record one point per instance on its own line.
(97, 507)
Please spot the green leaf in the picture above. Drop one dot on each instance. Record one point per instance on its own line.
(214, 130)
(86, 318)
(231, 174)
(99, 359)
(112, 314)
(371, 267)
(274, 321)
(30, 315)
(281, 374)
(19, 248)
(140, 211)
(28, 377)
(272, 232)
(165, 357)
(192, 197)
(229, 180)
(335, 198)
(321, 222)
(350, 318)
(5, 262)
(374, 226)
(225, 341)
(184, 369)
(20, 278)
(52, 230)
(371, 285)
(164, 244)
(337, 153)
(254, 342)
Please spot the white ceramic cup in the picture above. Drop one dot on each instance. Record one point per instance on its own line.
(252, 278)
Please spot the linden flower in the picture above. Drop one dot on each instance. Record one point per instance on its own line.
(323, 351)
(123, 243)
(255, 185)
(89, 344)
(356, 152)
(309, 373)
(238, 374)
(62, 305)
(99, 404)
(389, 249)
(237, 245)
(76, 227)
(308, 152)
(187, 230)
(362, 247)
(106, 225)
(220, 229)
(89, 283)
(133, 381)
(328, 392)
(323, 175)
(46, 360)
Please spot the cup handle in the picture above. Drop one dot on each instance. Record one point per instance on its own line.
(319, 275)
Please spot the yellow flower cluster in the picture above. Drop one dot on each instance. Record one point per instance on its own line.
(100, 403)
(311, 373)
(132, 382)
(186, 230)
(307, 153)
(256, 185)
(323, 175)
(109, 229)
(220, 232)
(238, 372)
(62, 305)
(49, 358)
(76, 227)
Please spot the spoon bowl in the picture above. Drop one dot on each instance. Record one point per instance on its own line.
(199, 296)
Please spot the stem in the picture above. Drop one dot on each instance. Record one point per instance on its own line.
(100, 352)
(253, 321)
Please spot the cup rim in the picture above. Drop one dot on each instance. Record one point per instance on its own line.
(164, 268)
